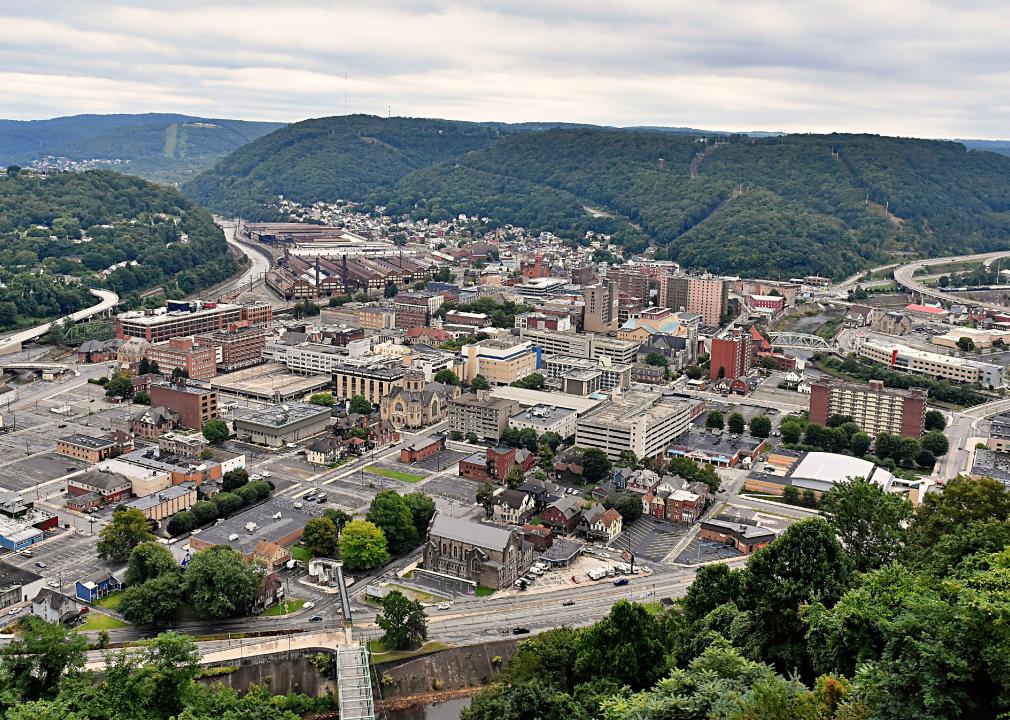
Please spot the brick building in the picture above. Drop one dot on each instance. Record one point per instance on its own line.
(423, 449)
(182, 353)
(195, 404)
(238, 346)
(730, 357)
(84, 447)
(704, 295)
(415, 309)
(745, 538)
(180, 318)
(873, 407)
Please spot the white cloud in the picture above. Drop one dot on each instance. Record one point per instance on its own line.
(906, 67)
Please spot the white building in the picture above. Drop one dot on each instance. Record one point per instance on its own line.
(546, 418)
(639, 421)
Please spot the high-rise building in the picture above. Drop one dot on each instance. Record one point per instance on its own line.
(642, 422)
(633, 284)
(601, 308)
(705, 295)
(874, 408)
(730, 357)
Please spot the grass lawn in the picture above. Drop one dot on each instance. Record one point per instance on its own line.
(293, 605)
(300, 553)
(100, 621)
(484, 591)
(381, 655)
(394, 474)
(413, 594)
(110, 601)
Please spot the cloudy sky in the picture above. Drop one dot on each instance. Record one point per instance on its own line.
(901, 67)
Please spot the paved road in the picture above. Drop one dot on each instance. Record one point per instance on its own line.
(904, 276)
(107, 301)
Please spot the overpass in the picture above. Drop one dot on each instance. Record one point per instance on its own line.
(904, 276)
(107, 301)
(36, 366)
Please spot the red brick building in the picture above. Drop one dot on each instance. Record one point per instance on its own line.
(562, 515)
(182, 353)
(421, 450)
(872, 406)
(495, 463)
(745, 538)
(194, 404)
(730, 357)
(240, 345)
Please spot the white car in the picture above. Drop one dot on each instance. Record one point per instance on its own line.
(267, 474)
(256, 477)
(309, 605)
(444, 606)
(53, 584)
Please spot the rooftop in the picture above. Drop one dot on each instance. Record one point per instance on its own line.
(469, 532)
(275, 519)
(87, 441)
(994, 464)
(12, 576)
(703, 440)
(637, 404)
(543, 415)
(278, 416)
(527, 398)
(186, 387)
(746, 532)
(102, 479)
(155, 499)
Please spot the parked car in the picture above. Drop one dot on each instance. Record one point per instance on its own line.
(309, 605)
(298, 506)
(321, 499)
(309, 497)
(621, 581)
(61, 426)
(568, 603)
(40, 564)
(290, 446)
(27, 553)
(53, 584)
(267, 474)
(85, 610)
(444, 606)
(520, 631)
(316, 618)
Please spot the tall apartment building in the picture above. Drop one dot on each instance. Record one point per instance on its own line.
(183, 318)
(873, 407)
(182, 353)
(601, 309)
(194, 403)
(730, 357)
(415, 309)
(642, 422)
(500, 361)
(612, 375)
(238, 346)
(480, 414)
(707, 296)
(632, 283)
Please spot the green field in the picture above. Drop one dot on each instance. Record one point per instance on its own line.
(100, 621)
(484, 591)
(300, 553)
(394, 474)
(285, 608)
(381, 655)
(110, 601)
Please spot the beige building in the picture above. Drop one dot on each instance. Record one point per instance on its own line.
(374, 380)
(478, 554)
(500, 361)
(705, 295)
(418, 403)
(640, 421)
(167, 502)
(480, 414)
(947, 367)
(375, 317)
(601, 308)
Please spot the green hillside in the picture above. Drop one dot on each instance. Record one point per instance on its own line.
(344, 157)
(58, 233)
(162, 147)
(772, 206)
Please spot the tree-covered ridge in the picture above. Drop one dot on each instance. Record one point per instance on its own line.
(157, 146)
(59, 233)
(332, 158)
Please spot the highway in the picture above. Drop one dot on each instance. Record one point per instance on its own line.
(107, 301)
(904, 277)
(260, 261)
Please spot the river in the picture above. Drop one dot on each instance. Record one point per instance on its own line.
(448, 710)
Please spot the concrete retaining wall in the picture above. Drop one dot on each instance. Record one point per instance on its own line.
(283, 673)
(468, 666)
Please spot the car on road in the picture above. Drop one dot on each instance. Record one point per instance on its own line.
(14, 611)
(71, 468)
(568, 603)
(316, 618)
(503, 631)
(621, 581)
(40, 564)
(290, 446)
(53, 584)
(309, 605)
(61, 426)
(444, 606)
(520, 631)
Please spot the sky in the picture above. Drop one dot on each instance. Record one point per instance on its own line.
(895, 67)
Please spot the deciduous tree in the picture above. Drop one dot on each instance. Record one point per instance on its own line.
(403, 621)
(362, 545)
(220, 584)
(390, 513)
(127, 529)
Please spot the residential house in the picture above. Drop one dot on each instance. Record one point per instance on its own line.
(54, 607)
(90, 591)
(154, 422)
(324, 450)
(562, 515)
(271, 592)
(97, 351)
(537, 489)
(676, 500)
(587, 516)
(511, 507)
(495, 463)
(272, 555)
(606, 526)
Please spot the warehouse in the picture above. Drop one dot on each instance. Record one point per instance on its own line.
(280, 424)
(17, 585)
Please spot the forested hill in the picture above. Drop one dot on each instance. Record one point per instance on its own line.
(773, 206)
(156, 146)
(344, 157)
(64, 233)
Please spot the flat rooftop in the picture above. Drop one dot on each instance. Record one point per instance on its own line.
(528, 398)
(994, 464)
(268, 381)
(636, 404)
(186, 387)
(543, 415)
(161, 315)
(157, 498)
(12, 576)
(279, 416)
(87, 441)
(702, 440)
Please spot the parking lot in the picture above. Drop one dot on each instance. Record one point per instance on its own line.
(68, 557)
(651, 539)
(438, 462)
(452, 488)
(703, 551)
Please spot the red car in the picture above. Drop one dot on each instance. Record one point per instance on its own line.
(574, 579)
(85, 610)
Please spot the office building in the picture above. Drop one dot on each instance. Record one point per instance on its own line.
(705, 295)
(583, 345)
(873, 407)
(308, 358)
(370, 378)
(240, 345)
(278, 425)
(730, 357)
(500, 361)
(643, 422)
(612, 375)
(918, 362)
(546, 418)
(199, 362)
(480, 414)
(415, 309)
(194, 404)
(601, 308)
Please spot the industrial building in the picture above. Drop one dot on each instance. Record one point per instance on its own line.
(183, 317)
